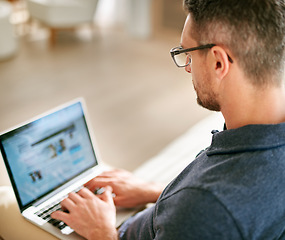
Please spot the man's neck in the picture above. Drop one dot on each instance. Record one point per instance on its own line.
(259, 106)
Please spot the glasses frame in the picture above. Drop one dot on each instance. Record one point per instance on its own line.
(178, 50)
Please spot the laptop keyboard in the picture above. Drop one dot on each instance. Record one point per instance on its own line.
(47, 211)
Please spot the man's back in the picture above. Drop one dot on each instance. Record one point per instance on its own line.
(233, 190)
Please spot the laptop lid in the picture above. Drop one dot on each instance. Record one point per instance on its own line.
(44, 154)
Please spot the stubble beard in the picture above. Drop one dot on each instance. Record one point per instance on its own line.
(209, 104)
(208, 101)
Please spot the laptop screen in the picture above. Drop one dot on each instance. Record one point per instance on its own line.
(42, 155)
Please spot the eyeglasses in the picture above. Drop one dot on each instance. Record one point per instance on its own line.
(179, 59)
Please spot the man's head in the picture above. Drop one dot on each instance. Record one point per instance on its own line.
(252, 30)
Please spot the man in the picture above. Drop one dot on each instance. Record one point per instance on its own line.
(233, 189)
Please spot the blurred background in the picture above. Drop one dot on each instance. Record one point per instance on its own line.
(119, 61)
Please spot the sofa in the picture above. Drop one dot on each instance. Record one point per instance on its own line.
(161, 168)
(63, 14)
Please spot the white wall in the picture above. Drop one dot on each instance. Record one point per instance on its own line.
(135, 15)
(111, 12)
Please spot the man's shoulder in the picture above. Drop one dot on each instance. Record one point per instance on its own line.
(187, 212)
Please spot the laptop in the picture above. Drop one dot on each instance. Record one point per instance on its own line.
(47, 158)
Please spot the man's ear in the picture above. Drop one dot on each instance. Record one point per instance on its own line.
(220, 61)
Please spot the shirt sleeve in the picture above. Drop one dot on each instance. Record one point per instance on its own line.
(194, 214)
(139, 226)
(188, 214)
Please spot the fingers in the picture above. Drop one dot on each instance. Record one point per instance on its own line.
(62, 216)
(74, 197)
(76, 202)
(68, 204)
(85, 193)
(95, 183)
(108, 178)
(107, 196)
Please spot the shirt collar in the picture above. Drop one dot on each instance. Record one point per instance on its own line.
(247, 138)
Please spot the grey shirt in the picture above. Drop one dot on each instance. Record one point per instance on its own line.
(235, 189)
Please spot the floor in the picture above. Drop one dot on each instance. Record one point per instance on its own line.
(138, 100)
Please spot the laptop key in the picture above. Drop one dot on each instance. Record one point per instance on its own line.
(62, 226)
(53, 221)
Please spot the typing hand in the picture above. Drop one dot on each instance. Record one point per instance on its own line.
(92, 216)
(129, 191)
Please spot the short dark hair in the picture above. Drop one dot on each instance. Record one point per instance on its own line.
(253, 30)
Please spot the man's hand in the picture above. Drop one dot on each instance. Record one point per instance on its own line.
(92, 216)
(129, 191)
